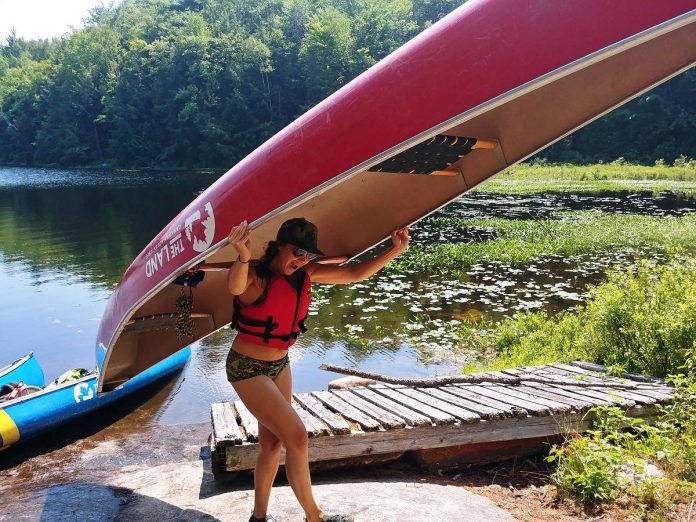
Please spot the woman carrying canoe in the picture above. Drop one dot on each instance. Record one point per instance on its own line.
(271, 301)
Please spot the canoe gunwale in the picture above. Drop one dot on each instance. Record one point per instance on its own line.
(15, 364)
(588, 60)
(48, 389)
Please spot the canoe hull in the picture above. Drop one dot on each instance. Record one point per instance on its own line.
(31, 416)
(519, 74)
(25, 369)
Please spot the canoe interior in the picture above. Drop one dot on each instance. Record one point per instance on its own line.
(357, 210)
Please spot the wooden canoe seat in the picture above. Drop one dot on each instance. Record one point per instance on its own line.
(433, 156)
(149, 323)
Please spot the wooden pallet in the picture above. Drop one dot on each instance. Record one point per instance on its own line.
(390, 420)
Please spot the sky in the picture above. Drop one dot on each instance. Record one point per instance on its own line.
(34, 19)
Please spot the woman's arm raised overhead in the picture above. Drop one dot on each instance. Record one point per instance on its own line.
(328, 274)
(238, 279)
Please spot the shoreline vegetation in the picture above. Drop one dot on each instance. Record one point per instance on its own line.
(641, 320)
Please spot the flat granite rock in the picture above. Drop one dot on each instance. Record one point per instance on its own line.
(186, 491)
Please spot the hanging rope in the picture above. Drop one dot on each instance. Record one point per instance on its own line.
(185, 327)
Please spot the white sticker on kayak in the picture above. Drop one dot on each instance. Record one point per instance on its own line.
(83, 392)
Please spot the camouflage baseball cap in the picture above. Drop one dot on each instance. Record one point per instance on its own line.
(301, 233)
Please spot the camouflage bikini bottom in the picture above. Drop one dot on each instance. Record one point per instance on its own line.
(240, 367)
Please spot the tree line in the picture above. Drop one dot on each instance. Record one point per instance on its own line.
(201, 83)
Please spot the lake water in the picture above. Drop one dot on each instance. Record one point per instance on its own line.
(67, 236)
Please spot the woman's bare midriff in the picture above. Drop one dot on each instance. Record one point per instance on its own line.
(263, 353)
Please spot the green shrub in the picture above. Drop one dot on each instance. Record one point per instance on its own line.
(642, 321)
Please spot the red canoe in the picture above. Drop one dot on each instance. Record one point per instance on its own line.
(395, 144)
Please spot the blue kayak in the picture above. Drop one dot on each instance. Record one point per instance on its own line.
(59, 405)
(26, 370)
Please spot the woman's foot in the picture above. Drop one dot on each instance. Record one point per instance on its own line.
(336, 518)
(267, 518)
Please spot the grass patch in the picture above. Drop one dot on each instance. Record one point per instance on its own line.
(519, 242)
(615, 176)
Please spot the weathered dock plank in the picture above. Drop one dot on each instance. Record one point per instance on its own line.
(645, 394)
(402, 395)
(333, 421)
(248, 421)
(468, 392)
(386, 418)
(226, 430)
(479, 410)
(557, 394)
(448, 407)
(412, 418)
(334, 402)
(531, 407)
(519, 393)
(314, 426)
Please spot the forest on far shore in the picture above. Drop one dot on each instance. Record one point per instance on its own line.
(201, 83)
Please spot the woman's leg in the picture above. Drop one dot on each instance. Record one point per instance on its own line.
(266, 469)
(269, 402)
(269, 456)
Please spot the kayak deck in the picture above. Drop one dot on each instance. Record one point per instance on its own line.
(440, 426)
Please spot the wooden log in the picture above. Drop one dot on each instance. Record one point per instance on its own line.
(337, 404)
(386, 418)
(400, 394)
(452, 379)
(411, 417)
(336, 424)
(248, 421)
(225, 429)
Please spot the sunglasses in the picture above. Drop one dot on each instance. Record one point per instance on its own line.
(301, 252)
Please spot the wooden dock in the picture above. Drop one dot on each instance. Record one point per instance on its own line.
(442, 425)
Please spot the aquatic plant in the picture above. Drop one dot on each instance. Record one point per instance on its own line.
(517, 242)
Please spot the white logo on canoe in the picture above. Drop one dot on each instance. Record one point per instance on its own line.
(200, 229)
(83, 392)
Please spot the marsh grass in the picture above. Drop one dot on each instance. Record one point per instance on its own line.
(616, 176)
(520, 241)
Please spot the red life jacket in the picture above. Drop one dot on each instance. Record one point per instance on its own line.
(278, 319)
